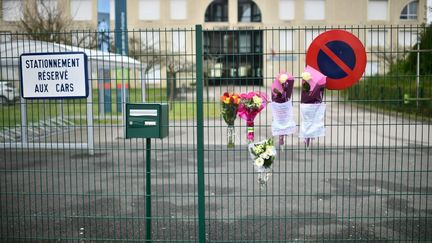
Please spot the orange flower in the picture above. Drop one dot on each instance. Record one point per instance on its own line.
(224, 96)
(236, 99)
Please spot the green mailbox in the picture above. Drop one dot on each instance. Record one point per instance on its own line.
(147, 120)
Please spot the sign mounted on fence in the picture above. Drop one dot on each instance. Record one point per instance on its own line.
(340, 56)
(54, 75)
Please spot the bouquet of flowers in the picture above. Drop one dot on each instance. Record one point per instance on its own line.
(282, 111)
(263, 155)
(251, 104)
(311, 108)
(230, 103)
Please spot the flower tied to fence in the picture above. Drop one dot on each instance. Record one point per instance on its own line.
(311, 108)
(263, 155)
(251, 104)
(283, 122)
(230, 103)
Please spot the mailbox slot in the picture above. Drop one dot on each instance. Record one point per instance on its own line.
(146, 120)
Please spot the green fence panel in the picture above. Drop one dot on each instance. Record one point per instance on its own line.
(67, 172)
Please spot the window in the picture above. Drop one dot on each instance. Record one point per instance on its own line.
(377, 10)
(149, 9)
(248, 11)
(314, 9)
(48, 6)
(286, 9)
(286, 40)
(376, 38)
(217, 11)
(81, 9)
(407, 38)
(372, 68)
(178, 41)
(409, 11)
(12, 10)
(178, 9)
(310, 36)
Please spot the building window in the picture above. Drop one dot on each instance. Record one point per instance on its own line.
(286, 40)
(407, 38)
(409, 11)
(286, 9)
(248, 11)
(377, 9)
(81, 9)
(217, 11)
(12, 10)
(178, 9)
(376, 38)
(47, 7)
(314, 9)
(149, 9)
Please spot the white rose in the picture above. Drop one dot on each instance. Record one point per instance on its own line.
(283, 78)
(259, 162)
(270, 150)
(265, 155)
(306, 76)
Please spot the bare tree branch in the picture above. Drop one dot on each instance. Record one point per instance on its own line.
(45, 20)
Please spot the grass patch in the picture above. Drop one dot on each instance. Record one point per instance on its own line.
(76, 109)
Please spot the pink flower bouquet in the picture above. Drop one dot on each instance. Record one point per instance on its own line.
(251, 104)
(282, 111)
(312, 108)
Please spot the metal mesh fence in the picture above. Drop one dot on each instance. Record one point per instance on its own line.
(67, 172)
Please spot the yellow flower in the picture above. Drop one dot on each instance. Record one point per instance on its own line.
(283, 78)
(227, 100)
(257, 100)
(259, 162)
(306, 76)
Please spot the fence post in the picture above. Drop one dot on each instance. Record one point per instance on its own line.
(200, 133)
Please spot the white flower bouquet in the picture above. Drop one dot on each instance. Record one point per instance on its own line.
(263, 155)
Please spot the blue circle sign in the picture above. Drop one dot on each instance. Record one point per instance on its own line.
(340, 56)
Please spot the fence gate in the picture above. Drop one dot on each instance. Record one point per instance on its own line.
(367, 180)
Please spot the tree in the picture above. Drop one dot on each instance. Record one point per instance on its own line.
(410, 63)
(45, 20)
(149, 53)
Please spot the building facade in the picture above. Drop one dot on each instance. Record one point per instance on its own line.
(270, 34)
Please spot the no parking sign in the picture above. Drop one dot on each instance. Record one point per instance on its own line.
(340, 56)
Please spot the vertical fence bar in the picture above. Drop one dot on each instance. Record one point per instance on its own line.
(148, 190)
(200, 132)
(90, 132)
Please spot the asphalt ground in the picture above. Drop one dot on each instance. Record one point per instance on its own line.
(368, 180)
(325, 195)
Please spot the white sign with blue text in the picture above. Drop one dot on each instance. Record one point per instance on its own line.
(54, 75)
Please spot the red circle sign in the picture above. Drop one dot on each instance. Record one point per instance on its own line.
(340, 56)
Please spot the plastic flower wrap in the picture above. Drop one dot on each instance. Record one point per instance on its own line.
(250, 105)
(230, 103)
(263, 155)
(312, 109)
(282, 111)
